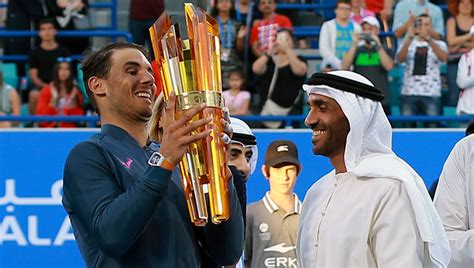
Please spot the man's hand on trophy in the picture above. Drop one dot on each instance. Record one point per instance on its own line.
(227, 137)
(176, 138)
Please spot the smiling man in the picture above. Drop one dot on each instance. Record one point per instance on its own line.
(373, 209)
(270, 238)
(122, 191)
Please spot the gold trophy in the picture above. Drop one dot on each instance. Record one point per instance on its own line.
(191, 69)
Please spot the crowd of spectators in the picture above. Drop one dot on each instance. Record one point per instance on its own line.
(262, 71)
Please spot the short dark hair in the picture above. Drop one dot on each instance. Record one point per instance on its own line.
(343, 2)
(98, 63)
(47, 21)
(289, 32)
(424, 15)
(470, 128)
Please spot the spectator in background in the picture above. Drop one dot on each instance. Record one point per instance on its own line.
(272, 223)
(423, 55)
(71, 15)
(465, 81)
(143, 13)
(263, 32)
(459, 34)
(280, 74)
(359, 12)
(406, 12)
(454, 201)
(382, 8)
(10, 103)
(61, 96)
(237, 99)
(247, 12)
(243, 148)
(42, 60)
(370, 58)
(335, 38)
(232, 37)
(21, 15)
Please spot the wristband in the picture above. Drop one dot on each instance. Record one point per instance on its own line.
(167, 165)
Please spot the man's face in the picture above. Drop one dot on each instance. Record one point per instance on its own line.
(424, 27)
(282, 179)
(240, 158)
(130, 85)
(329, 124)
(343, 11)
(47, 32)
(367, 28)
(267, 7)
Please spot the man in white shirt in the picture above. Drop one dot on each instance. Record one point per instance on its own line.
(465, 81)
(454, 200)
(373, 210)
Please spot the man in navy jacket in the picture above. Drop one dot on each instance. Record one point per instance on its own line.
(121, 190)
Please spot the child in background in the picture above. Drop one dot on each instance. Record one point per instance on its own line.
(61, 96)
(236, 99)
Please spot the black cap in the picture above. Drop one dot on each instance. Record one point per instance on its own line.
(280, 152)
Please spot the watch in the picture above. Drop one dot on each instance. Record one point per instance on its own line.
(156, 159)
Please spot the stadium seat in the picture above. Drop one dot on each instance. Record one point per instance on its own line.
(9, 74)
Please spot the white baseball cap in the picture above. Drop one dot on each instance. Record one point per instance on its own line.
(371, 20)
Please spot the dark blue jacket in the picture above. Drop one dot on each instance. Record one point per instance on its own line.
(127, 214)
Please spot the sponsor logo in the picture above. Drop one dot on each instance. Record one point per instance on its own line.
(281, 248)
(263, 227)
(25, 230)
(281, 262)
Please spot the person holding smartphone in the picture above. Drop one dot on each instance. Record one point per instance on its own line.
(423, 55)
(280, 73)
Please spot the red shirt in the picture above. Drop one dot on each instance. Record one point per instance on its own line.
(280, 20)
(146, 9)
(44, 107)
(374, 5)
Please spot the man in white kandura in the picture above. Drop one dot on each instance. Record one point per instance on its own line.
(373, 209)
(454, 201)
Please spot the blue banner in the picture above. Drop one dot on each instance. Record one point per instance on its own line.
(34, 228)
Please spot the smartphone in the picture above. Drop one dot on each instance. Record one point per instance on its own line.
(417, 22)
(472, 30)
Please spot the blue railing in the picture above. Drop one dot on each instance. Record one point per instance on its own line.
(287, 120)
(76, 33)
(113, 10)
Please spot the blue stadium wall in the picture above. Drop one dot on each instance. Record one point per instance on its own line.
(34, 229)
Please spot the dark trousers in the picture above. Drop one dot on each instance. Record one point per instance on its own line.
(421, 105)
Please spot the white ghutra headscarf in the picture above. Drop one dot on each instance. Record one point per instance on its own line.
(368, 153)
(243, 135)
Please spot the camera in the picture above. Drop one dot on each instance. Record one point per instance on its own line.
(366, 37)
